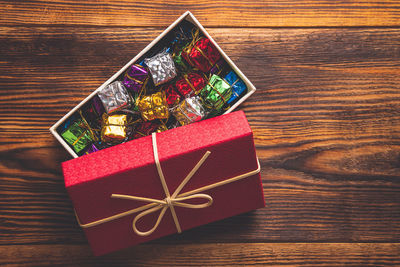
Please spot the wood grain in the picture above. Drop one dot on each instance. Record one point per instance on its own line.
(223, 13)
(326, 122)
(288, 254)
(325, 118)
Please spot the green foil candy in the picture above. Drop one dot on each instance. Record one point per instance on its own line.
(180, 63)
(216, 93)
(77, 135)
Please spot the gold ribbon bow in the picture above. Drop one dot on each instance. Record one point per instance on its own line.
(176, 199)
(171, 200)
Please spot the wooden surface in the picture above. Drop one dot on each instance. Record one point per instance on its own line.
(326, 121)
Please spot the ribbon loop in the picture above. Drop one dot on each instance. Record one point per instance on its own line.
(178, 201)
(146, 212)
(164, 204)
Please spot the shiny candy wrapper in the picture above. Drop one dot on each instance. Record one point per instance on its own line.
(218, 67)
(162, 128)
(133, 107)
(237, 85)
(190, 84)
(189, 110)
(135, 78)
(114, 97)
(171, 95)
(180, 62)
(161, 67)
(145, 128)
(183, 34)
(202, 55)
(67, 123)
(77, 135)
(92, 111)
(216, 93)
(92, 148)
(153, 106)
(114, 128)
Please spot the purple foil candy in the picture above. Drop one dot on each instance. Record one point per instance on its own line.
(135, 77)
(218, 67)
(92, 148)
(98, 106)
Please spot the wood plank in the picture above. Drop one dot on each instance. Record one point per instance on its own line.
(288, 254)
(223, 13)
(326, 119)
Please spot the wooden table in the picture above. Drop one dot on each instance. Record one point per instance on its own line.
(326, 122)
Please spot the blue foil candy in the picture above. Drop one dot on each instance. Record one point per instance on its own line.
(238, 86)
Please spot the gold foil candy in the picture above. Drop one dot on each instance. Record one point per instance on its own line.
(153, 106)
(114, 128)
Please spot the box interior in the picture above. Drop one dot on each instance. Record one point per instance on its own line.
(153, 48)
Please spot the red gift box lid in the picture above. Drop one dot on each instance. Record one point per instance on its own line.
(130, 169)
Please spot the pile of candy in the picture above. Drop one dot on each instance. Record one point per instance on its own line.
(183, 81)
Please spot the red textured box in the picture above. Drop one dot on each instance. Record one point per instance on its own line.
(130, 169)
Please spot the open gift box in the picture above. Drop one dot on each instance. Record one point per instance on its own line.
(168, 181)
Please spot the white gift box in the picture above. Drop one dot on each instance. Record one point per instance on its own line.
(186, 16)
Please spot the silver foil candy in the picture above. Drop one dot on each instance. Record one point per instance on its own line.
(189, 110)
(161, 67)
(114, 97)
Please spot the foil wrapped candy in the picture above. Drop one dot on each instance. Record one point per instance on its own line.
(237, 85)
(190, 84)
(218, 67)
(144, 129)
(93, 111)
(201, 53)
(161, 67)
(92, 148)
(189, 110)
(78, 135)
(180, 62)
(135, 78)
(114, 128)
(216, 93)
(183, 34)
(153, 106)
(114, 97)
(171, 95)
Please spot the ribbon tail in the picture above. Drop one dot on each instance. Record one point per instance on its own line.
(191, 173)
(175, 218)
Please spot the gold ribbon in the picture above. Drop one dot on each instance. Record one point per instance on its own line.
(204, 55)
(133, 79)
(233, 92)
(87, 127)
(185, 76)
(195, 37)
(169, 201)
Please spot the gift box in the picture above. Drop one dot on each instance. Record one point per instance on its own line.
(165, 183)
(177, 178)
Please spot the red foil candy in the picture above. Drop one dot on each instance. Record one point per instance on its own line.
(190, 84)
(171, 95)
(145, 129)
(203, 55)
